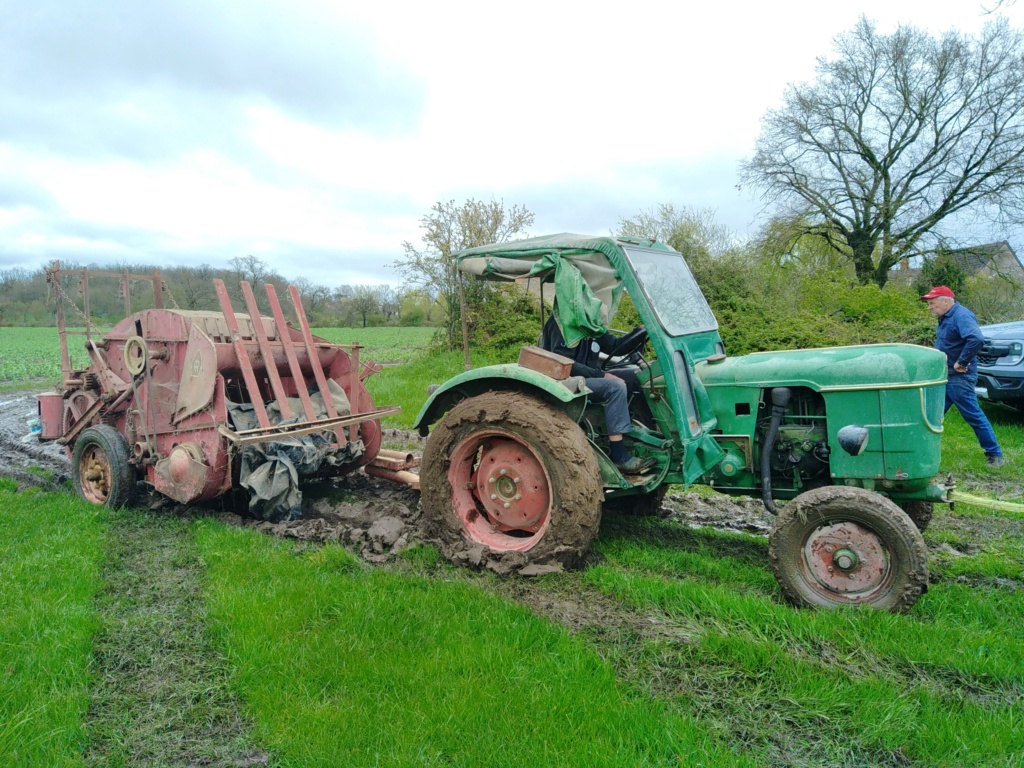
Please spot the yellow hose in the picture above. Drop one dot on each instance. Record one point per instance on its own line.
(981, 501)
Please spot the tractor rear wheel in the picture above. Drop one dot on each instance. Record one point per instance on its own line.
(100, 469)
(836, 546)
(509, 472)
(920, 513)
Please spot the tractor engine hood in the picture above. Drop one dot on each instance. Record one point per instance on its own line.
(870, 366)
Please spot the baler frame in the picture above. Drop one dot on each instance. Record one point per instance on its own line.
(167, 395)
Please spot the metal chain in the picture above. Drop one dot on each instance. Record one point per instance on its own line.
(167, 292)
(68, 301)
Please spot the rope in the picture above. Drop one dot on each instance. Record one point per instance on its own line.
(981, 501)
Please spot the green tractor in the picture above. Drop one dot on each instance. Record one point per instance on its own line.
(517, 464)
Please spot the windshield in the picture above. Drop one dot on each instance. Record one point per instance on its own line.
(672, 291)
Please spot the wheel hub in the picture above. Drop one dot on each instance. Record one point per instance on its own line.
(513, 486)
(95, 474)
(500, 491)
(847, 559)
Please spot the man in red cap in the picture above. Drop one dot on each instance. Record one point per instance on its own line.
(960, 338)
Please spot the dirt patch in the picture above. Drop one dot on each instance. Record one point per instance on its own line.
(22, 456)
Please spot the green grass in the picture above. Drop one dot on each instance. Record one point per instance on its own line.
(406, 385)
(32, 355)
(346, 665)
(382, 345)
(940, 686)
(50, 564)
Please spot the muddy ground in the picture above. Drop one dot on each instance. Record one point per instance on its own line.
(378, 518)
(374, 517)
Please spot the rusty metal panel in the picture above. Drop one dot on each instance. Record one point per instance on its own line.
(198, 376)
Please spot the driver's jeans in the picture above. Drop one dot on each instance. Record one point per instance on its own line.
(960, 392)
(612, 393)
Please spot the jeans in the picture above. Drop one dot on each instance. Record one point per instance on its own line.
(960, 392)
(612, 392)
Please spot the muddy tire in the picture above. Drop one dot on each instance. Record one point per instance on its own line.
(508, 472)
(919, 512)
(638, 505)
(100, 470)
(837, 546)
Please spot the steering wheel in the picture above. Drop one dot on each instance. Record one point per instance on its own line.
(628, 346)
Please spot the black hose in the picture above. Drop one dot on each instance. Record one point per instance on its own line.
(780, 399)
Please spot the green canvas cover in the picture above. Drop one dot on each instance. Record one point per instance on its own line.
(587, 284)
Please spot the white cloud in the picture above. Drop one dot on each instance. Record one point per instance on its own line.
(316, 134)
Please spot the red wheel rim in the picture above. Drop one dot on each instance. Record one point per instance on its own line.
(95, 474)
(847, 561)
(501, 491)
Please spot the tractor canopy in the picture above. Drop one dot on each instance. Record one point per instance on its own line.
(586, 272)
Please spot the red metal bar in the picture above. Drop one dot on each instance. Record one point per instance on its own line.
(268, 354)
(314, 361)
(242, 353)
(85, 303)
(127, 294)
(353, 390)
(289, 350)
(54, 276)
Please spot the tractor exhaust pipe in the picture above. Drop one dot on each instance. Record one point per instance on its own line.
(780, 399)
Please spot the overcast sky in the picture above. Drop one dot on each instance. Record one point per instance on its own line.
(315, 134)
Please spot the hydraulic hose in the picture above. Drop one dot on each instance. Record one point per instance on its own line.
(780, 399)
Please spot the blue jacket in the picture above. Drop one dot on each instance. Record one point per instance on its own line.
(960, 337)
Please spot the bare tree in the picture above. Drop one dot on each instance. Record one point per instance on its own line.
(450, 228)
(898, 133)
(691, 231)
(197, 287)
(314, 295)
(365, 301)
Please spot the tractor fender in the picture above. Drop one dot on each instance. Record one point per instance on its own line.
(509, 376)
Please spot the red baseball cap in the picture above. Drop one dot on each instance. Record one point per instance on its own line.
(939, 290)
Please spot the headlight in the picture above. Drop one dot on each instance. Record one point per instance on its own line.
(1016, 353)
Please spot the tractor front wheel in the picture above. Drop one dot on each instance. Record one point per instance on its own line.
(100, 469)
(835, 546)
(513, 474)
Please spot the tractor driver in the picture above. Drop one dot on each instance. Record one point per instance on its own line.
(607, 388)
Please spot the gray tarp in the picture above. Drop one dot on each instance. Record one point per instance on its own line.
(271, 471)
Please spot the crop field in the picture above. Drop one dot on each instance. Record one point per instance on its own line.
(33, 354)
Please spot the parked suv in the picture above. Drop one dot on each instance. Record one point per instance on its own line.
(1001, 364)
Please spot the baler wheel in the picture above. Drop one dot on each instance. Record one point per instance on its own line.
(836, 545)
(514, 474)
(100, 469)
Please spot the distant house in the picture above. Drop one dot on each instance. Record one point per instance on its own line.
(989, 260)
